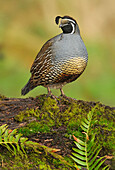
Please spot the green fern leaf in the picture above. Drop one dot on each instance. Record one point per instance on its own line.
(17, 137)
(86, 121)
(82, 163)
(8, 147)
(11, 137)
(79, 151)
(94, 158)
(79, 156)
(95, 163)
(0, 136)
(85, 130)
(91, 144)
(90, 114)
(93, 152)
(22, 139)
(79, 141)
(79, 146)
(84, 124)
(99, 165)
(13, 151)
(3, 128)
(91, 147)
(6, 136)
(106, 167)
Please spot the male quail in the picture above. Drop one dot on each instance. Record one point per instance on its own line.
(61, 60)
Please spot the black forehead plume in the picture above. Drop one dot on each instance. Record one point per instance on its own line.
(68, 17)
(64, 17)
(57, 19)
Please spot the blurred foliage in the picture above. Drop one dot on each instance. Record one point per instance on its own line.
(26, 25)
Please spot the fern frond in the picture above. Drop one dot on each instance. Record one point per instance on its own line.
(85, 155)
(16, 144)
(11, 141)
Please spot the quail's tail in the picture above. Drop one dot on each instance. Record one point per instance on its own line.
(27, 88)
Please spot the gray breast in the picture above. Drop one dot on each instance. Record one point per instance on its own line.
(68, 46)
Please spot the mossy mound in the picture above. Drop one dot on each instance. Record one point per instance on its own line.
(52, 123)
(66, 114)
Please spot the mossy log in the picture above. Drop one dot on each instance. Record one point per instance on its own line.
(58, 119)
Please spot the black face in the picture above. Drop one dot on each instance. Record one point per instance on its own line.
(67, 28)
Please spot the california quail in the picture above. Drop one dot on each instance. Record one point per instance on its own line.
(61, 60)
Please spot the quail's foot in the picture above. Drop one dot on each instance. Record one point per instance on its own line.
(62, 93)
(50, 94)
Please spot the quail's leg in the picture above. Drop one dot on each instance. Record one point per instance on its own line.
(50, 93)
(62, 92)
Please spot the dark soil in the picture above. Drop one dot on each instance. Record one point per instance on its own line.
(10, 107)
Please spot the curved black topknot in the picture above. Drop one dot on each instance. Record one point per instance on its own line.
(68, 17)
(64, 17)
(57, 19)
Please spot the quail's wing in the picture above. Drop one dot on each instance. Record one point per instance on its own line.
(42, 63)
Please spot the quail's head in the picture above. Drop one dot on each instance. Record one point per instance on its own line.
(67, 24)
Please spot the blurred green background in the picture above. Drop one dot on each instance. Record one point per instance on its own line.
(25, 25)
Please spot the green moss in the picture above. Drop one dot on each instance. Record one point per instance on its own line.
(73, 128)
(34, 127)
(34, 160)
(25, 115)
(67, 113)
(50, 112)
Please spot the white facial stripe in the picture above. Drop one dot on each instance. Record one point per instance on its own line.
(65, 24)
(73, 26)
(71, 20)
